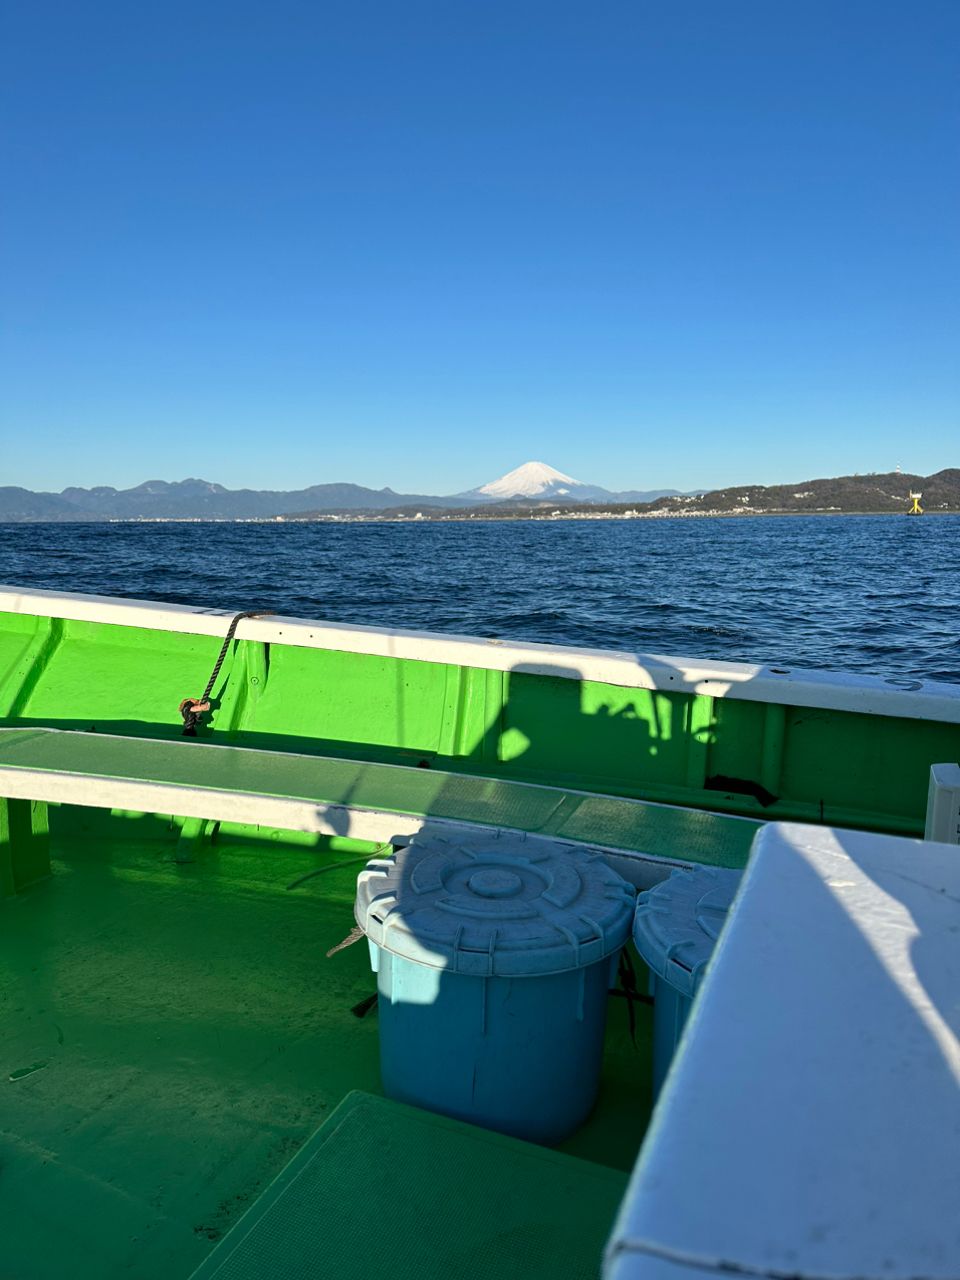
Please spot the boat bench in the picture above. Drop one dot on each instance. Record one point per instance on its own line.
(808, 1124)
(382, 803)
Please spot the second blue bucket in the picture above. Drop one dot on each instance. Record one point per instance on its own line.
(676, 929)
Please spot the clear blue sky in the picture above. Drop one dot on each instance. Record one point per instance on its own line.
(418, 243)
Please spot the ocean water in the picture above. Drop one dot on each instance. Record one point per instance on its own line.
(876, 594)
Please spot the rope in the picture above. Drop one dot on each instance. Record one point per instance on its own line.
(355, 934)
(192, 708)
(628, 991)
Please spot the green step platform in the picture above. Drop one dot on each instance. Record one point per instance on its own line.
(386, 1190)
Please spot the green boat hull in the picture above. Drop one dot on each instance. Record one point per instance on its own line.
(177, 1017)
(742, 747)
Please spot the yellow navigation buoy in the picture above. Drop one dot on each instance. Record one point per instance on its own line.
(916, 509)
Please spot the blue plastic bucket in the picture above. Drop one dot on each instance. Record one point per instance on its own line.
(675, 930)
(493, 960)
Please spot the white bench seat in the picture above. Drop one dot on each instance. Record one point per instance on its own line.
(363, 800)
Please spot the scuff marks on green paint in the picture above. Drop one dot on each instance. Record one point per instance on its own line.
(23, 1072)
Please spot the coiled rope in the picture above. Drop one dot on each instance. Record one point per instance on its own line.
(193, 708)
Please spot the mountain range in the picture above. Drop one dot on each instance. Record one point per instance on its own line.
(532, 488)
(201, 500)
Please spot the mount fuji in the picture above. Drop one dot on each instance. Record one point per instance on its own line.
(538, 481)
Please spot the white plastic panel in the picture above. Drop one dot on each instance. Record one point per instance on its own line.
(943, 804)
(810, 1125)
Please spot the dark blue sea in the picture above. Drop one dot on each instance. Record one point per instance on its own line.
(878, 594)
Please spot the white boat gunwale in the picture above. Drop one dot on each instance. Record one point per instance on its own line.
(749, 682)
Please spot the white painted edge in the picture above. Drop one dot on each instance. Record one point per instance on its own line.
(100, 791)
(748, 682)
(36, 730)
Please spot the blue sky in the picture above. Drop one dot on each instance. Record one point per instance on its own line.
(416, 244)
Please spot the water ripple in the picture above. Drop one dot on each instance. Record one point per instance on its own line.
(879, 594)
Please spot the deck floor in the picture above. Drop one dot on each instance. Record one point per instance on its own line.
(171, 1034)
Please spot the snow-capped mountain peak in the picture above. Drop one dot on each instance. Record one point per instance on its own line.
(532, 480)
(537, 482)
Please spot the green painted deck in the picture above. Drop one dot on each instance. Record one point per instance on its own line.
(170, 1036)
(457, 1201)
(172, 1033)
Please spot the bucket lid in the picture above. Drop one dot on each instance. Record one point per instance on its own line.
(495, 905)
(678, 922)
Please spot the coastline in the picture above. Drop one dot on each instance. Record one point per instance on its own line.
(352, 517)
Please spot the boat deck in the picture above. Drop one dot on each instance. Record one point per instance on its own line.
(172, 1035)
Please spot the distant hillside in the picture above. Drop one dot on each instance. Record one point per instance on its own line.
(868, 494)
(17, 505)
(196, 500)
